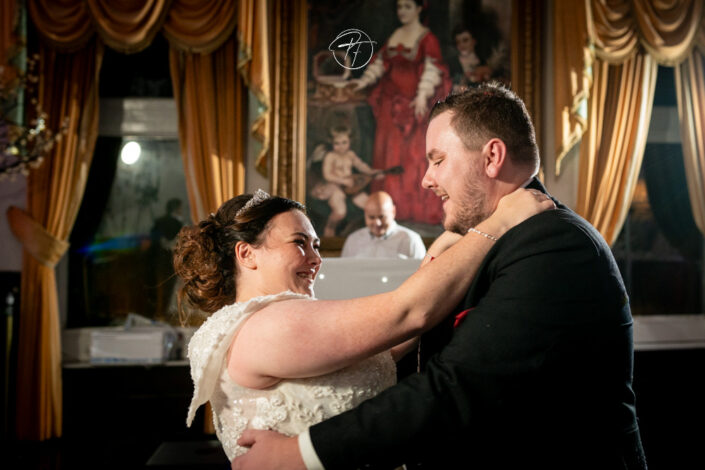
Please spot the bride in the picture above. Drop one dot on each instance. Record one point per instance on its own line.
(271, 356)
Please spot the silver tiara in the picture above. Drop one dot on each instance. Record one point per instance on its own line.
(256, 199)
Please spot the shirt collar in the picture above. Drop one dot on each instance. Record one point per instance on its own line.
(527, 182)
(392, 228)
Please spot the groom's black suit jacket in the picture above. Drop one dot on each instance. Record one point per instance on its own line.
(536, 375)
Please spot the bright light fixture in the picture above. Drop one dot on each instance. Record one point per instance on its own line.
(130, 153)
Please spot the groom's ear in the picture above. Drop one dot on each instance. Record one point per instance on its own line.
(245, 256)
(494, 155)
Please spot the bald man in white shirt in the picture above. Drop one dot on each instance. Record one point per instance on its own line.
(383, 237)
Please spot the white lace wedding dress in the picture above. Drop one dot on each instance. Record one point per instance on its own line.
(288, 407)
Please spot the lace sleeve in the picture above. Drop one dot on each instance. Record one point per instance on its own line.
(209, 346)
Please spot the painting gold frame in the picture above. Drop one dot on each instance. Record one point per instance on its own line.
(287, 159)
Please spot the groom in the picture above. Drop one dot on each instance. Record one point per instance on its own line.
(534, 368)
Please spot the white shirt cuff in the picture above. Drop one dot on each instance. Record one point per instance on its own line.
(308, 453)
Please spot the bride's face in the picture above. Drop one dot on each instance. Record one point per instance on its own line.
(288, 259)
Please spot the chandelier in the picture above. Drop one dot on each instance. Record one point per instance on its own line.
(23, 146)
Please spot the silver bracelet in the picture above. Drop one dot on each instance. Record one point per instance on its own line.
(486, 235)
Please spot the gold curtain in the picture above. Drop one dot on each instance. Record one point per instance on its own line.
(253, 64)
(613, 146)
(210, 99)
(66, 26)
(690, 92)
(124, 25)
(203, 56)
(128, 26)
(572, 61)
(630, 38)
(68, 87)
(200, 26)
(668, 29)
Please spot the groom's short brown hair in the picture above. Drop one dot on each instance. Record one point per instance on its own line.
(488, 111)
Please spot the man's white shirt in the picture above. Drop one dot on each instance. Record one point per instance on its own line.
(308, 453)
(398, 242)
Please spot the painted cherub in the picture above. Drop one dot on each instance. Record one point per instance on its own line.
(340, 181)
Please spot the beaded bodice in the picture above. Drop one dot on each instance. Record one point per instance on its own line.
(288, 407)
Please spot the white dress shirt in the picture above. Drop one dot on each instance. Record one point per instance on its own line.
(398, 242)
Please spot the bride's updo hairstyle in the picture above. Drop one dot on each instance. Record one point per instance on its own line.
(204, 255)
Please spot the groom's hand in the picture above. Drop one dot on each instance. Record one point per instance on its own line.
(269, 450)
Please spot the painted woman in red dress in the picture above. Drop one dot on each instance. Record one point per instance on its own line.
(409, 75)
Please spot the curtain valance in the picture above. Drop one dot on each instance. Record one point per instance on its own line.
(667, 30)
(128, 26)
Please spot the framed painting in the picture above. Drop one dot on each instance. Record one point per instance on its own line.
(354, 84)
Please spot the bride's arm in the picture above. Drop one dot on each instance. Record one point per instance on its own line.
(305, 338)
(439, 245)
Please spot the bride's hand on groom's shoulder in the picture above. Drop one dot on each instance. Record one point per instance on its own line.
(515, 207)
(268, 450)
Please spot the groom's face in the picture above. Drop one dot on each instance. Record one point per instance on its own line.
(456, 174)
